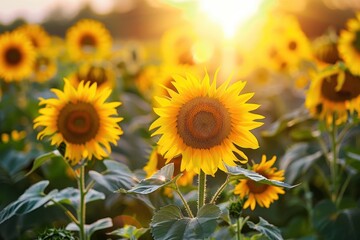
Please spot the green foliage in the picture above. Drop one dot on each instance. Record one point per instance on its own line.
(33, 198)
(242, 173)
(129, 232)
(159, 179)
(71, 196)
(333, 224)
(269, 230)
(117, 175)
(42, 159)
(169, 223)
(91, 228)
(56, 234)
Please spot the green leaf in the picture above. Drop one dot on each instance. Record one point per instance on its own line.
(286, 121)
(33, 198)
(298, 159)
(269, 230)
(129, 232)
(353, 160)
(169, 223)
(41, 159)
(332, 224)
(242, 173)
(117, 175)
(71, 196)
(161, 178)
(91, 228)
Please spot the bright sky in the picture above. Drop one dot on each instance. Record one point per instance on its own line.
(35, 11)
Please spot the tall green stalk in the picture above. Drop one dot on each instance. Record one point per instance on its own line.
(201, 189)
(334, 162)
(82, 206)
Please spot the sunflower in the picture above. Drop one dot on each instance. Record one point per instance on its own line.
(177, 45)
(262, 194)
(80, 118)
(45, 67)
(325, 50)
(88, 39)
(333, 92)
(94, 72)
(16, 56)
(349, 45)
(157, 161)
(205, 123)
(40, 39)
(288, 49)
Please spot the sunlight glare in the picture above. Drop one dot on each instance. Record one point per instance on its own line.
(230, 14)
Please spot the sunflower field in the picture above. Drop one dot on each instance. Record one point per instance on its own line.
(180, 119)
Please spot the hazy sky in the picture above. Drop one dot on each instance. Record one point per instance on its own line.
(35, 11)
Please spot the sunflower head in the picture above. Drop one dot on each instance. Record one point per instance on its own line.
(258, 193)
(88, 39)
(325, 49)
(16, 56)
(349, 45)
(94, 72)
(45, 67)
(205, 122)
(80, 118)
(40, 39)
(334, 94)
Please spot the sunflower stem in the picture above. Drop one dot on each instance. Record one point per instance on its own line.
(82, 206)
(67, 212)
(334, 159)
(201, 189)
(186, 205)
(220, 190)
(238, 229)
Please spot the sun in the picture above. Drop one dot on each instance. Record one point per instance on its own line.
(229, 14)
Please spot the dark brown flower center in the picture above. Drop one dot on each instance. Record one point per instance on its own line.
(356, 41)
(13, 56)
(176, 160)
(96, 74)
(78, 122)
(88, 43)
(203, 122)
(256, 187)
(349, 90)
(292, 45)
(42, 64)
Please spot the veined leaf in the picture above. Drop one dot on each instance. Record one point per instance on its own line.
(264, 227)
(117, 175)
(160, 179)
(42, 159)
(91, 228)
(169, 223)
(71, 196)
(33, 198)
(242, 173)
(129, 232)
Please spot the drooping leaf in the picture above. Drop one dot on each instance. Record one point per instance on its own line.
(287, 120)
(298, 159)
(264, 227)
(91, 228)
(169, 223)
(160, 179)
(71, 196)
(42, 159)
(129, 232)
(333, 224)
(242, 173)
(33, 198)
(117, 175)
